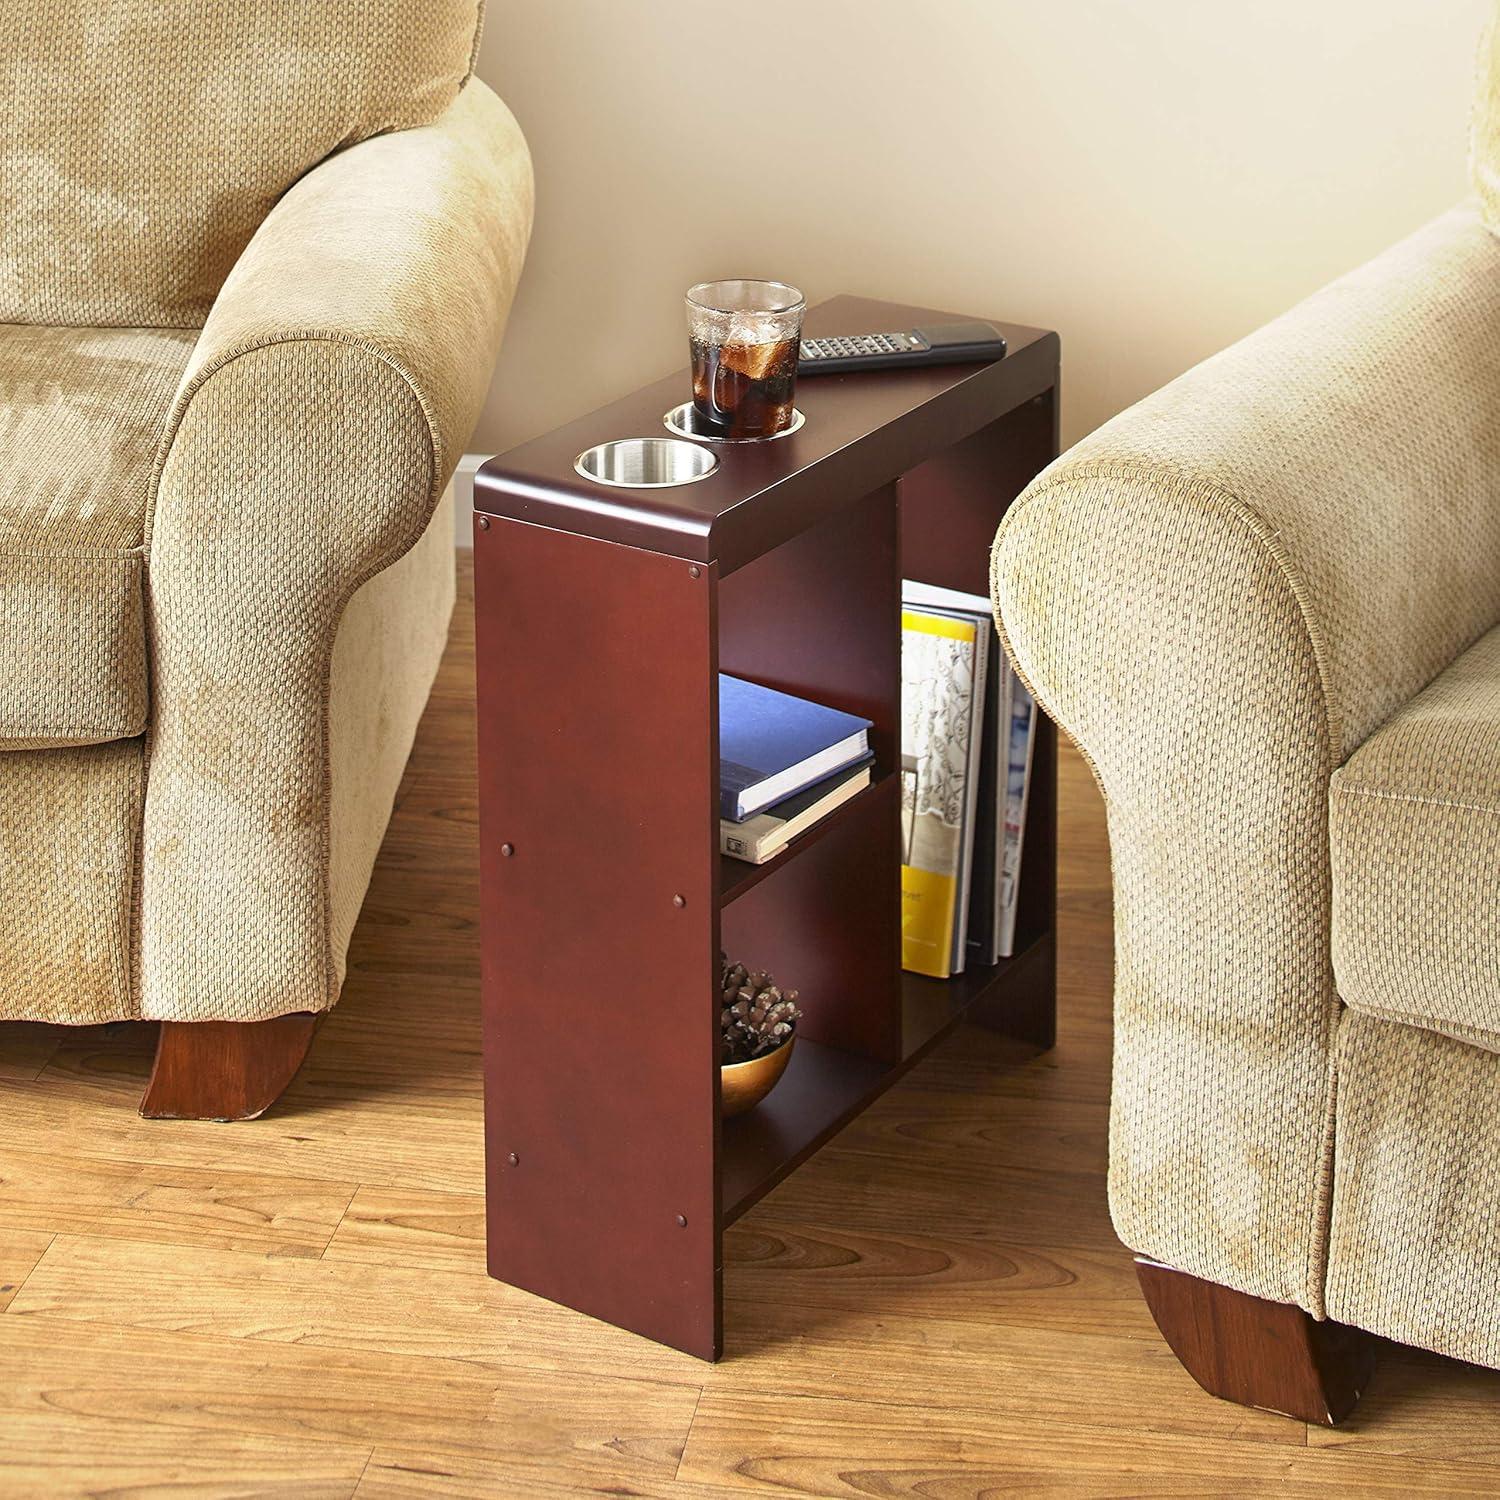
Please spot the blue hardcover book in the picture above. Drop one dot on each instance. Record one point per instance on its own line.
(772, 745)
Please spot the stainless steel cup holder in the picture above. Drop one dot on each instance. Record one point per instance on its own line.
(646, 463)
(684, 419)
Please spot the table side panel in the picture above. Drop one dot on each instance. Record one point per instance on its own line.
(597, 712)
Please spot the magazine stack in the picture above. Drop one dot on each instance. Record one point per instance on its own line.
(967, 729)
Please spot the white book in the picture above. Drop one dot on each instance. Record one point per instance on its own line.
(996, 729)
(982, 639)
(1022, 741)
(934, 596)
(997, 810)
(760, 838)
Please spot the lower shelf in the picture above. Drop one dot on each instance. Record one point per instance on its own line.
(820, 1092)
(931, 1007)
(824, 1088)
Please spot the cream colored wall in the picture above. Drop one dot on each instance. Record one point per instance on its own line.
(1153, 178)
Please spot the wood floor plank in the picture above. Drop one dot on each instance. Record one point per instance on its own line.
(442, 1231)
(231, 1295)
(382, 1050)
(881, 1192)
(59, 1453)
(1040, 1376)
(832, 1305)
(112, 1060)
(931, 1119)
(25, 1049)
(396, 1473)
(398, 1310)
(334, 1132)
(525, 1424)
(1420, 1406)
(233, 1210)
(334, 1304)
(20, 1250)
(906, 1272)
(819, 1265)
(68, 1459)
(828, 1446)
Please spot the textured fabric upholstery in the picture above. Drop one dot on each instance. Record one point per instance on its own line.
(1415, 820)
(70, 823)
(1220, 594)
(1415, 1247)
(1484, 139)
(222, 517)
(70, 820)
(81, 413)
(324, 407)
(387, 651)
(143, 141)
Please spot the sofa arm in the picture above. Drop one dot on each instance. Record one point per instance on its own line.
(389, 267)
(334, 385)
(1217, 595)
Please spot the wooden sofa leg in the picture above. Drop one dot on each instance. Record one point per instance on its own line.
(1270, 1355)
(225, 1070)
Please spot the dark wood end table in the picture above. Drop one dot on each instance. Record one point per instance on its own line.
(603, 618)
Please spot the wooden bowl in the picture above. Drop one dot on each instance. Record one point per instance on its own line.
(744, 1085)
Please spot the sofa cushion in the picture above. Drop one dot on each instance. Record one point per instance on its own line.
(1415, 829)
(81, 412)
(1484, 137)
(143, 141)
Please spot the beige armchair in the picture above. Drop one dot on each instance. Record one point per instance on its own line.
(255, 263)
(1266, 604)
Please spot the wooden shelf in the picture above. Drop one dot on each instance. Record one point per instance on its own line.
(824, 1088)
(736, 876)
(820, 1092)
(931, 1008)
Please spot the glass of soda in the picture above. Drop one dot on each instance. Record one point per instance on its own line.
(743, 337)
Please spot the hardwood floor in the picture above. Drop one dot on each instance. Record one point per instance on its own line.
(934, 1306)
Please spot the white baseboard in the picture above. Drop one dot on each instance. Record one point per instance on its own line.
(463, 498)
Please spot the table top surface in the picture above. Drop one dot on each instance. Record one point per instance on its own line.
(862, 430)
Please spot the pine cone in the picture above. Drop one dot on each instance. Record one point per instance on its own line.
(755, 1016)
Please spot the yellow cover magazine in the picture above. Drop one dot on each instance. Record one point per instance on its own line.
(937, 702)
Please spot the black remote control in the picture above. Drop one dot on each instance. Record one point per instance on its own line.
(937, 344)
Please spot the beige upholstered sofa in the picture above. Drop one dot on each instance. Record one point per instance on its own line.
(255, 261)
(1265, 602)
